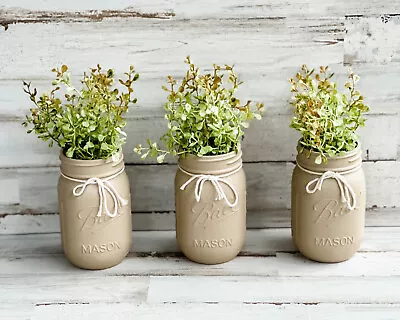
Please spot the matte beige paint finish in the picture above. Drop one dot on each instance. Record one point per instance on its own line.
(323, 228)
(88, 241)
(209, 231)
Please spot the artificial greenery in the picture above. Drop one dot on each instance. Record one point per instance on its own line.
(204, 116)
(326, 119)
(86, 124)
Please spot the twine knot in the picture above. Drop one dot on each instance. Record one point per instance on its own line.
(347, 193)
(217, 181)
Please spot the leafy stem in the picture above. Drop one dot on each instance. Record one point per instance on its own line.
(85, 123)
(204, 116)
(326, 119)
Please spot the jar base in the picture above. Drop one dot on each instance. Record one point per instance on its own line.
(327, 260)
(210, 259)
(210, 262)
(96, 265)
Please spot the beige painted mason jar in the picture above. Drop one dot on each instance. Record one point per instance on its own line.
(95, 212)
(210, 200)
(328, 206)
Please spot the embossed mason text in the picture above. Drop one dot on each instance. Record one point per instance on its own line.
(334, 242)
(220, 243)
(100, 248)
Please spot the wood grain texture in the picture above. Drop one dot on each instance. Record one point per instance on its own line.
(372, 39)
(161, 285)
(158, 47)
(209, 9)
(382, 265)
(286, 36)
(274, 290)
(15, 16)
(221, 311)
(64, 289)
(16, 311)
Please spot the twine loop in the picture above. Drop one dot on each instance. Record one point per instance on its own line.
(217, 181)
(103, 185)
(347, 193)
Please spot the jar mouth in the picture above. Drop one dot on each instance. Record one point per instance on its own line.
(89, 163)
(218, 164)
(217, 157)
(343, 162)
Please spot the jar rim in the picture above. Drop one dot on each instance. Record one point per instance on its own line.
(89, 163)
(218, 157)
(218, 164)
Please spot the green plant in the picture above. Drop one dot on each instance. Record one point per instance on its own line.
(204, 116)
(86, 124)
(326, 119)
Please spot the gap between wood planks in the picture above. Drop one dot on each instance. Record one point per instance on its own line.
(8, 17)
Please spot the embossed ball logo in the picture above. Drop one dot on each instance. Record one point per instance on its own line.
(90, 220)
(207, 212)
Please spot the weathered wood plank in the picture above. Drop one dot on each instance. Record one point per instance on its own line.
(16, 311)
(185, 9)
(361, 265)
(372, 39)
(268, 186)
(221, 311)
(50, 284)
(48, 223)
(158, 47)
(78, 288)
(261, 242)
(274, 289)
(13, 16)
(270, 139)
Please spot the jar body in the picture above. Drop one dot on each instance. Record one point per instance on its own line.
(324, 229)
(90, 241)
(210, 231)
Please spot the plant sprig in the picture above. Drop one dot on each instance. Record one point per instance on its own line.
(204, 116)
(326, 119)
(85, 123)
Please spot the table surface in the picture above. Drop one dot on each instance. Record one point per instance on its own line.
(268, 280)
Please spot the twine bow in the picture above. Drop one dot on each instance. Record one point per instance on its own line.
(104, 186)
(216, 181)
(347, 193)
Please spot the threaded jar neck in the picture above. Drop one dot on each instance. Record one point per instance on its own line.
(340, 163)
(215, 165)
(85, 169)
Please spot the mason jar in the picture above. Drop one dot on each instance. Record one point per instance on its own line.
(210, 201)
(328, 206)
(95, 212)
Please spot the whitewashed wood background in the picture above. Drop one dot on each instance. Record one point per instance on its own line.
(267, 40)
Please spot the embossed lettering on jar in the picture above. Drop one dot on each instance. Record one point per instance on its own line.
(95, 212)
(210, 199)
(328, 206)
